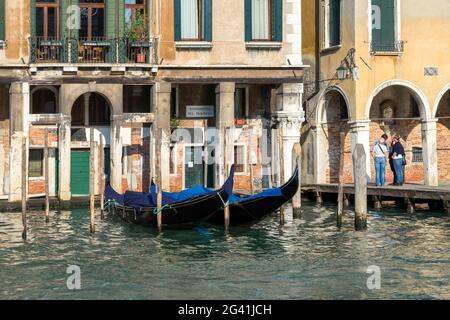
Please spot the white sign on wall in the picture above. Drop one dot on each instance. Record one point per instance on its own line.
(200, 111)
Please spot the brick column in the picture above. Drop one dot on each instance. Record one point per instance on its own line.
(19, 107)
(430, 152)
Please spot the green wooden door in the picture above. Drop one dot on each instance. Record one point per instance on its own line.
(193, 170)
(79, 172)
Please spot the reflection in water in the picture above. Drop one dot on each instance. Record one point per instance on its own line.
(307, 258)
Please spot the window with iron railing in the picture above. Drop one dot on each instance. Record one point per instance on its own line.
(100, 38)
(384, 26)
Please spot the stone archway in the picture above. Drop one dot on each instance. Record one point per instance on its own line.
(69, 94)
(398, 107)
(333, 115)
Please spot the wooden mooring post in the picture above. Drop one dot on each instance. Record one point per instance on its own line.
(250, 161)
(205, 155)
(340, 208)
(296, 162)
(102, 179)
(360, 177)
(46, 173)
(281, 148)
(159, 180)
(226, 211)
(91, 182)
(24, 188)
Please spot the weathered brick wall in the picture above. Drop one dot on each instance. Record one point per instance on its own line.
(205, 95)
(443, 149)
(4, 149)
(176, 179)
(138, 154)
(37, 140)
(333, 131)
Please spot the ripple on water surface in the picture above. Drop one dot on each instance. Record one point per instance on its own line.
(308, 258)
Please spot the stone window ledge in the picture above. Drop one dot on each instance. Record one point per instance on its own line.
(331, 49)
(268, 45)
(193, 45)
(386, 53)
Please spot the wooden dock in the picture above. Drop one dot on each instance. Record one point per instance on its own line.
(438, 198)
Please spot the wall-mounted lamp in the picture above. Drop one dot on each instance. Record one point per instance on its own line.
(342, 72)
(348, 67)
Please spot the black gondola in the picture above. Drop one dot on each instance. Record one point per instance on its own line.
(139, 208)
(253, 209)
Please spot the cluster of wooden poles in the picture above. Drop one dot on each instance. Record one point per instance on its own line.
(296, 201)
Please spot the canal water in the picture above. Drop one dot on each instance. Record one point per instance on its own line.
(308, 258)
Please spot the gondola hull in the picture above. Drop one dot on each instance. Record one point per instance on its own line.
(179, 214)
(252, 211)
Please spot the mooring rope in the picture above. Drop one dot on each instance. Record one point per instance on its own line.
(156, 211)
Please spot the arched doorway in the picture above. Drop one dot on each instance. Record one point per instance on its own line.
(333, 115)
(90, 111)
(442, 138)
(399, 109)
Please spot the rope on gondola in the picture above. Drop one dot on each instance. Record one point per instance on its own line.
(221, 199)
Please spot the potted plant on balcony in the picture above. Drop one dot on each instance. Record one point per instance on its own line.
(137, 36)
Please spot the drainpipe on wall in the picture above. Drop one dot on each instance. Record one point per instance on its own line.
(318, 69)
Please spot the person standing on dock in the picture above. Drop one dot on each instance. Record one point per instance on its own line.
(398, 156)
(379, 155)
(391, 160)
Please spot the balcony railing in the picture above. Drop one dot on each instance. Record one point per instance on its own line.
(47, 50)
(394, 47)
(97, 50)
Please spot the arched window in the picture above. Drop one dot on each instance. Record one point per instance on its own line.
(98, 114)
(43, 101)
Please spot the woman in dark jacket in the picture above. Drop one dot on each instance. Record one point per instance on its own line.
(398, 156)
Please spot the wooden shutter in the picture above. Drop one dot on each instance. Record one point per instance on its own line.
(2, 19)
(376, 33)
(277, 20)
(387, 23)
(385, 36)
(111, 16)
(248, 20)
(207, 5)
(334, 26)
(177, 18)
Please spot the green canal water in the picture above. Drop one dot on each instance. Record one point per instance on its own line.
(308, 258)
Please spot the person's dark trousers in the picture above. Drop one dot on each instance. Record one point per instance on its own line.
(391, 164)
(398, 165)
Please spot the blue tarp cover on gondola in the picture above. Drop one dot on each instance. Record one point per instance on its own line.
(275, 192)
(169, 197)
(112, 195)
(138, 199)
